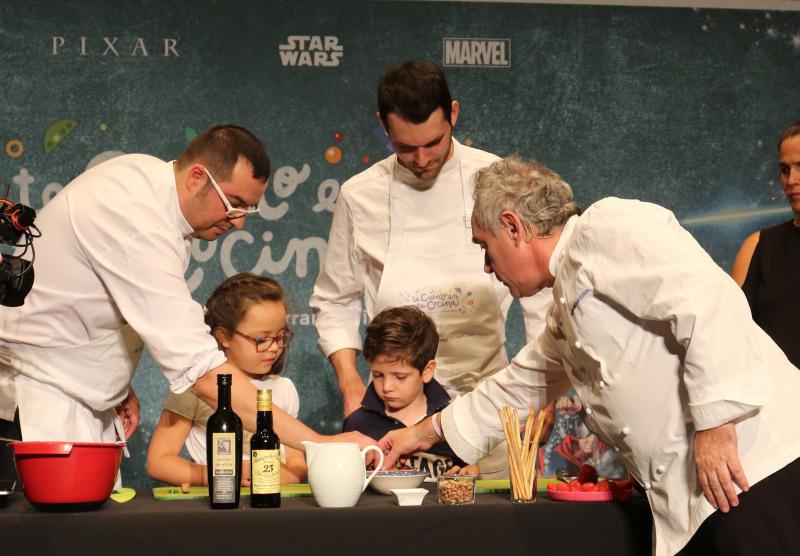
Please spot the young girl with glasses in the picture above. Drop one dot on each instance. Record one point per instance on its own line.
(247, 316)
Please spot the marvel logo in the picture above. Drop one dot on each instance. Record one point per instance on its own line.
(491, 53)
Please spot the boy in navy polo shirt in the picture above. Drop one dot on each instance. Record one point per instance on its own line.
(400, 346)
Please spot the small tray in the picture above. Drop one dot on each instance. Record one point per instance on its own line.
(567, 496)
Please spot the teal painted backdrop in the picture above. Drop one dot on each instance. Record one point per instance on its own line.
(677, 106)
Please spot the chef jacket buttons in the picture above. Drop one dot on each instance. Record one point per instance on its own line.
(601, 385)
(588, 410)
(646, 485)
(562, 300)
(660, 469)
(578, 345)
(626, 431)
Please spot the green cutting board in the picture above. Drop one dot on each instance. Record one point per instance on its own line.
(486, 486)
(292, 490)
(175, 493)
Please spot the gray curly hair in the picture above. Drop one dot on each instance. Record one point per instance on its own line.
(539, 196)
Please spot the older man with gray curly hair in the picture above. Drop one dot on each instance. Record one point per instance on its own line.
(660, 346)
(529, 200)
(537, 194)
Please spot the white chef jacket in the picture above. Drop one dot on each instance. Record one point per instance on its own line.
(113, 251)
(359, 240)
(658, 342)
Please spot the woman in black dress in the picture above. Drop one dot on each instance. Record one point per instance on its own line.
(767, 266)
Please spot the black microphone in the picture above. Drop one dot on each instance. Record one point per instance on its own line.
(23, 216)
(15, 219)
(16, 280)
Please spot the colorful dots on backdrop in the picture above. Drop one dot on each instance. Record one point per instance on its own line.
(106, 126)
(468, 141)
(365, 159)
(56, 133)
(15, 148)
(333, 155)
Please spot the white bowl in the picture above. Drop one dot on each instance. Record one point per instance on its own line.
(409, 496)
(385, 481)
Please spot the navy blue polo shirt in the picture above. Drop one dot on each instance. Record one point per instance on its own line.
(371, 419)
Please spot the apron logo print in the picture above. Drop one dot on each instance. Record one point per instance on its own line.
(451, 300)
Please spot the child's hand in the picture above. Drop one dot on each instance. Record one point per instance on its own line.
(470, 469)
(361, 439)
(245, 472)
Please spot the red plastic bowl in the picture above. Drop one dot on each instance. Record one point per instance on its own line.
(79, 475)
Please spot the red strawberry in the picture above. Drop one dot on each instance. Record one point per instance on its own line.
(587, 474)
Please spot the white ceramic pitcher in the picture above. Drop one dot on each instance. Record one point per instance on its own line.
(337, 472)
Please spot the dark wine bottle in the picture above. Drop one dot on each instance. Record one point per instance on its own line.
(265, 457)
(224, 450)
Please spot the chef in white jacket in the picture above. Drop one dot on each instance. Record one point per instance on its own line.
(400, 236)
(659, 343)
(110, 266)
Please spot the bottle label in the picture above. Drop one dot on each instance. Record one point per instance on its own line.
(265, 466)
(223, 466)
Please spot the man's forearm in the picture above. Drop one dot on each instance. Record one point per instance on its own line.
(292, 431)
(344, 363)
(243, 399)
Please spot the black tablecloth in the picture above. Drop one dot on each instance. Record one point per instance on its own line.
(376, 526)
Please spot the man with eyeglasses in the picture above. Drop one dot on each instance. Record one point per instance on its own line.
(110, 266)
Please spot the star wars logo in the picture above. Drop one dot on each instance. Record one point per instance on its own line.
(311, 50)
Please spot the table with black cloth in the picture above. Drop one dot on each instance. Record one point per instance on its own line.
(376, 526)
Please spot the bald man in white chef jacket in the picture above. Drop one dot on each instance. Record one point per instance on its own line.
(110, 266)
(659, 344)
(400, 236)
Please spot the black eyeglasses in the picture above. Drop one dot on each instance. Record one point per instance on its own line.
(263, 344)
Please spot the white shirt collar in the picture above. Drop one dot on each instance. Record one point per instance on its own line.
(566, 232)
(183, 225)
(407, 177)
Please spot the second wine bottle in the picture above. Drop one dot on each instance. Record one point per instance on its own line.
(265, 457)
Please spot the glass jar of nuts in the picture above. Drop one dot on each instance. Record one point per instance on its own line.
(456, 489)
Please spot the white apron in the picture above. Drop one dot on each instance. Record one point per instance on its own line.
(450, 287)
(69, 393)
